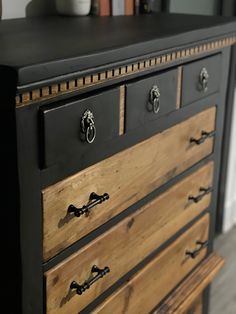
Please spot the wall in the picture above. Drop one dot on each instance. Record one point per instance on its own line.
(207, 7)
(230, 201)
(21, 8)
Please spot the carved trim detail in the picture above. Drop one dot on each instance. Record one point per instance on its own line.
(49, 92)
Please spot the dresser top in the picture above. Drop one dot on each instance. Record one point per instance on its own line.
(44, 48)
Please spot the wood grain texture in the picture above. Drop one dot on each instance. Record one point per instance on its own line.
(146, 289)
(184, 296)
(179, 87)
(26, 98)
(122, 110)
(127, 177)
(145, 229)
(196, 307)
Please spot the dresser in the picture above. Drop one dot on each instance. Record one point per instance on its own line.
(112, 136)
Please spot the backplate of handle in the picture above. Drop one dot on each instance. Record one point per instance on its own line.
(88, 128)
(200, 245)
(81, 288)
(204, 136)
(94, 200)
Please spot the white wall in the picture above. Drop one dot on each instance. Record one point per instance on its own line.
(229, 219)
(21, 8)
(207, 7)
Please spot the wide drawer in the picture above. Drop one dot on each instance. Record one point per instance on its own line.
(140, 233)
(72, 129)
(147, 288)
(150, 98)
(127, 177)
(201, 78)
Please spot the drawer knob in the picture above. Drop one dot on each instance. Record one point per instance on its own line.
(94, 200)
(203, 138)
(203, 80)
(200, 246)
(203, 193)
(88, 128)
(154, 99)
(100, 273)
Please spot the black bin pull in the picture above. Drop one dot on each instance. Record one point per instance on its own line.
(94, 200)
(100, 273)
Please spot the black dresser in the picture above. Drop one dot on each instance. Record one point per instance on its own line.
(113, 132)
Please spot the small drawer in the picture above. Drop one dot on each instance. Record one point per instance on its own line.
(201, 78)
(79, 204)
(150, 98)
(146, 229)
(147, 288)
(77, 127)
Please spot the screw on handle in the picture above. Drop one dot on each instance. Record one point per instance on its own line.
(100, 273)
(203, 138)
(204, 192)
(94, 200)
(201, 245)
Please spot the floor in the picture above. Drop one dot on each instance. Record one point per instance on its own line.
(223, 291)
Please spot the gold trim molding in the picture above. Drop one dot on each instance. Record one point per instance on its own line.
(49, 92)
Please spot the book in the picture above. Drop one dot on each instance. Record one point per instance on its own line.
(118, 7)
(105, 8)
(101, 7)
(129, 7)
(137, 7)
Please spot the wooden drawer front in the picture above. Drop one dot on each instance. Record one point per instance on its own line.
(158, 278)
(127, 177)
(140, 106)
(193, 89)
(197, 307)
(146, 229)
(62, 129)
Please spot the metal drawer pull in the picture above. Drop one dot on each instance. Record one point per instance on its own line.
(205, 191)
(88, 128)
(203, 80)
(154, 99)
(201, 245)
(80, 289)
(203, 138)
(94, 200)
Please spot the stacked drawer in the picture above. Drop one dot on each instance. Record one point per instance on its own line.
(78, 205)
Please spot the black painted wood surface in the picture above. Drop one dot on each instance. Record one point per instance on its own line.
(43, 48)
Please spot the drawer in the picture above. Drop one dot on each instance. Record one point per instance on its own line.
(147, 288)
(201, 78)
(78, 127)
(146, 229)
(150, 98)
(126, 177)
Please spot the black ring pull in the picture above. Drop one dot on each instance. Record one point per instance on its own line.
(203, 193)
(203, 138)
(201, 245)
(100, 273)
(94, 200)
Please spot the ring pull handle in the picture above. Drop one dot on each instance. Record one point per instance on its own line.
(204, 80)
(203, 193)
(88, 128)
(200, 246)
(94, 200)
(204, 136)
(154, 99)
(100, 273)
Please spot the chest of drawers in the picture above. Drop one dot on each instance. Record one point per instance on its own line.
(112, 161)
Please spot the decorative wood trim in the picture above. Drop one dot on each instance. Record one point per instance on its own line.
(179, 87)
(49, 92)
(122, 110)
(185, 295)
